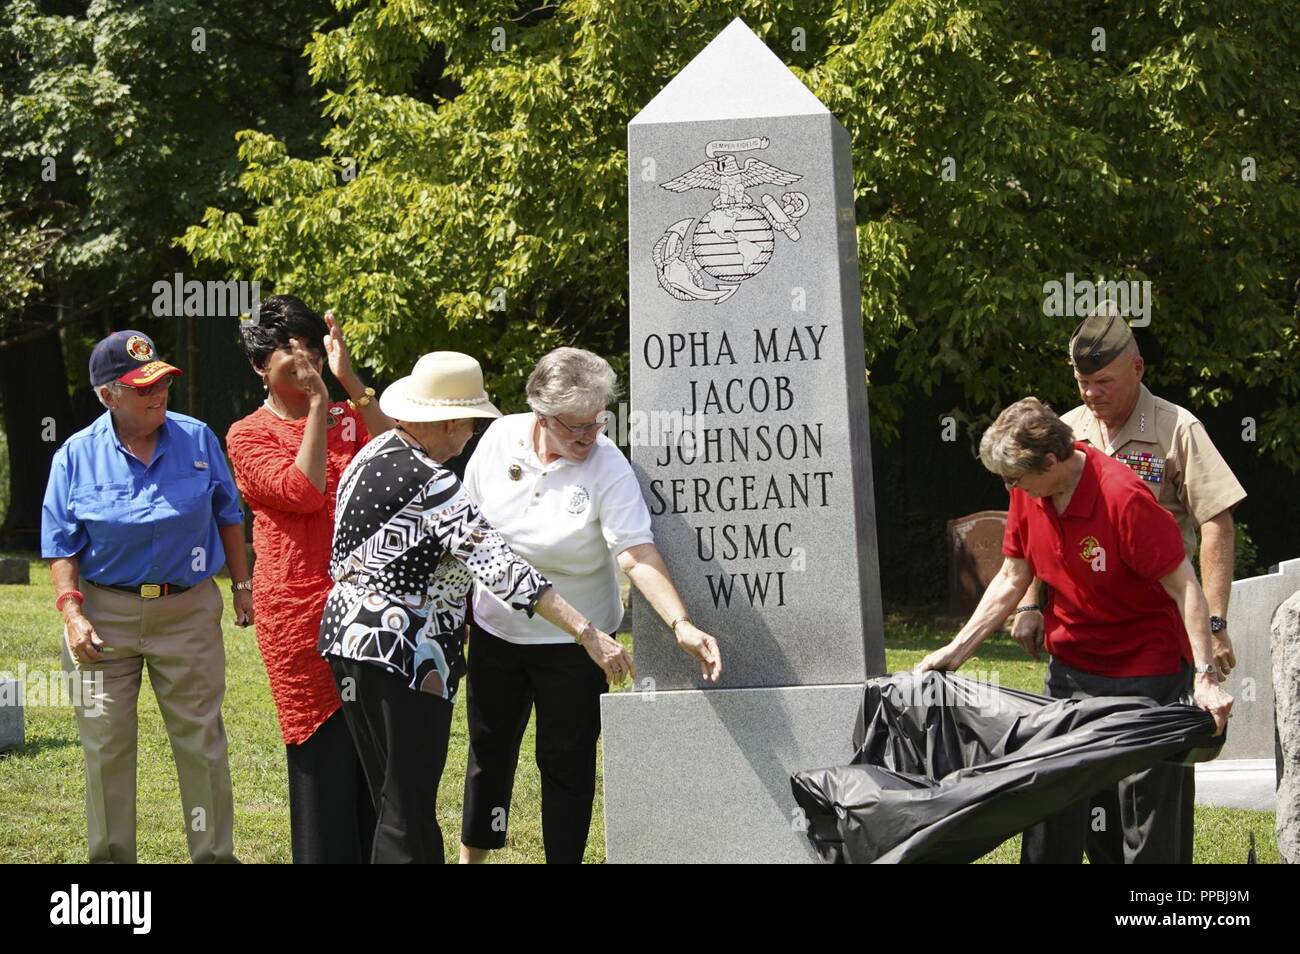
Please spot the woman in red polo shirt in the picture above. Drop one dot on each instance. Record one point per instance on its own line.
(288, 456)
(1126, 617)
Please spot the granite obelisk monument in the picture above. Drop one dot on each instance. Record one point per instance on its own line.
(751, 440)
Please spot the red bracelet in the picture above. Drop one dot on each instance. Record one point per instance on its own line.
(58, 604)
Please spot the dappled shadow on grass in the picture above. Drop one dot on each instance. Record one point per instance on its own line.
(32, 748)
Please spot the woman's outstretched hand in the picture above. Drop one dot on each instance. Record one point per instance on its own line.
(695, 641)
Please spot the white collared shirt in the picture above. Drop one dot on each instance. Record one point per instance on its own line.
(568, 519)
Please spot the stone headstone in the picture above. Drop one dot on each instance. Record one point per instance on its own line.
(15, 570)
(1286, 692)
(1251, 607)
(11, 714)
(974, 558)
(750, 437)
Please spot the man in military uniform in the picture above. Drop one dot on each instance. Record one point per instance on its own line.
(1171, 452)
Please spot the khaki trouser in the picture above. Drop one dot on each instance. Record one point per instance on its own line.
(179, 638)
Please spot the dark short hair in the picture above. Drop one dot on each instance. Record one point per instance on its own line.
(280, 319)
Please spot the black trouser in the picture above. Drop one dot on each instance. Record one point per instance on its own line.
(1106, 847)
(401, 736)
(331, 816)
(1147, 812)
(504, 681)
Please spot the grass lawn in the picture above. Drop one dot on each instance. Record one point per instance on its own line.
(42, 816)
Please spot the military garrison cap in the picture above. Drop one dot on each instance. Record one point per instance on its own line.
(1099, 339)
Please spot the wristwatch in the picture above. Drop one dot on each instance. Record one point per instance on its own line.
(1218, 624)
(1207, 669)
(366, 398)
(245, 585)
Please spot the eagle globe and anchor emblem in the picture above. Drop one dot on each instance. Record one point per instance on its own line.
(734, 240)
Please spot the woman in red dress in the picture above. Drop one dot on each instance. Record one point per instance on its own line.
(287, 458)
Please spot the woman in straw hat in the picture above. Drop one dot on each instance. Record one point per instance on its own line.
(408, 545)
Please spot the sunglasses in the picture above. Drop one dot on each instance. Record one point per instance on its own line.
(149, 389)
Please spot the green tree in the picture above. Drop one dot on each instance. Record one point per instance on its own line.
(117, 124)
(488, 144)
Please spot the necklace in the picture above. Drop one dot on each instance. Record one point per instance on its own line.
(271, 407)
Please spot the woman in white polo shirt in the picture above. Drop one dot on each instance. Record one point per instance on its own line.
(564, 498)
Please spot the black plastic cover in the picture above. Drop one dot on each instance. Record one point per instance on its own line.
(946, 769)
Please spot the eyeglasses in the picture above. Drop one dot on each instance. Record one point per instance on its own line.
(148, 389)
(1011, 484)
(582, 429)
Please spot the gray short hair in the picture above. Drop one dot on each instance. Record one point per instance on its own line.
(113, 387)
(571, 380)
(1019, 441)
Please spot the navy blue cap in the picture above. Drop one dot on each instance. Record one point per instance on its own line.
(130, 357)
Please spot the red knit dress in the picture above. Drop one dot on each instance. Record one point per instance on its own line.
(293, 528)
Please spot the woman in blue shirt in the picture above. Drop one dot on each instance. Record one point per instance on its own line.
(140, 513)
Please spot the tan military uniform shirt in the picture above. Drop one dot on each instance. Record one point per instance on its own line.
(1169, 449)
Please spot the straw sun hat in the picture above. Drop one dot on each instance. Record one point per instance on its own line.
(443, 386)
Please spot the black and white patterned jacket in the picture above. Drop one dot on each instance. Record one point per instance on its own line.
(408, 544)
